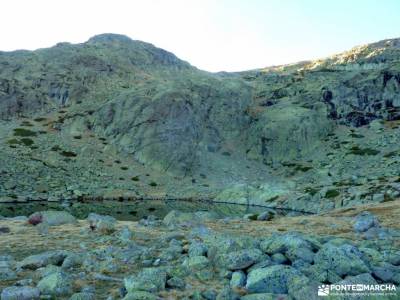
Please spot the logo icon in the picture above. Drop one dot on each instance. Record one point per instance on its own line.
(323, 290)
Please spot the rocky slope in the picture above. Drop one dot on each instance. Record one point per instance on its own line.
(198, 256)
(114, 117)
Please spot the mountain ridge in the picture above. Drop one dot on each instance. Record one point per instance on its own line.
(265, 137)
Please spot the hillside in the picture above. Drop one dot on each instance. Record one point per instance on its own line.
(117, 118)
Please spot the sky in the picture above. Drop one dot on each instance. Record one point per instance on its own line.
(213, 35)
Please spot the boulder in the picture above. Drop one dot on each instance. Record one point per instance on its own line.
(20, 293)
(55, 284)
(238, 279)
(140, 295)
(290, 241)
(365, 221)
(274, 279)
(264, 296)
(34, 262)
(6, 270)
(101, 223)
(343, 260)
(197, 249)
(196, 263)
(175, 217)
(83, 296)
(241, 259)
(52, 218)
(148, 279)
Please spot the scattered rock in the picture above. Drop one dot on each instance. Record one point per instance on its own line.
(102, 224)
(20, 293)
(176, 283)
(274, 279)
(55, 284)
(41, 260)
(238, 279)
(196, 262)
(343, 260)
(148, 279)
(365, 221)
(52, 218)
(242, 259)
(140, 295)
(82, 296)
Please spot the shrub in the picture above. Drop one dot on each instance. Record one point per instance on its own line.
(26, 123)
(13, 142)
(68, 153)
(24, 132)
(135, 178)
(124, 168)
(360, 151)
(40, 119)
(55, 148)
(311, 191)
(332, 193)
(153, 183)
(27, 141)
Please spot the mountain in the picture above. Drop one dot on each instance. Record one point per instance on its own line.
(114, 117)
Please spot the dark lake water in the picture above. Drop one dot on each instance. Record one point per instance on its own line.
(130, 210)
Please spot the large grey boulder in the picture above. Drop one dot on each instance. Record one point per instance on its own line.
(274, 279)
(238, 279)
(197, 249)
(387, 273)
(83, 296)
(148, 279)
(365, 221)
(101, 223)
(175, 217)
(196, 263)
(290, 241)
(140, 295)
(53, 217)
(343, 260)
(7, 270)
(264, 296)
(241, 259)
(43, 259)
(20, 293)
(55, 284)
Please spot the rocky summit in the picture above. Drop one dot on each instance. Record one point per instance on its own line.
(115, 119)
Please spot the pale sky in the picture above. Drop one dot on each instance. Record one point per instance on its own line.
(213, 35)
